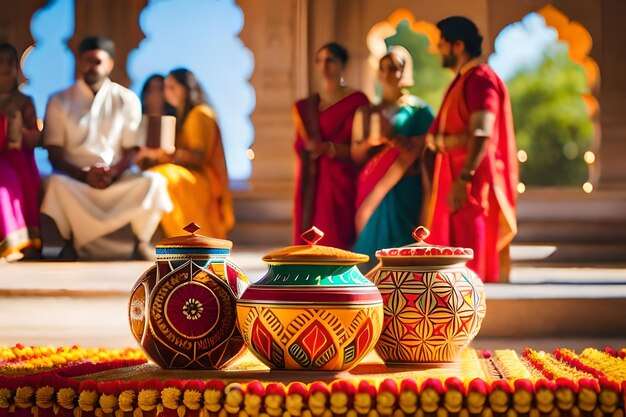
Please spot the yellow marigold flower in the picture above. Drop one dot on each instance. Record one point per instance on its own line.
(147, 399)
(44, 397)
(108, 403)
(24, 397)
(87, 400)
(5, 396)
(126, 399)
(65, 398)
(170, 397)
(192, 399)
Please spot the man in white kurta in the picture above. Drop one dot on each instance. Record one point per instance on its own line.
(90, 133)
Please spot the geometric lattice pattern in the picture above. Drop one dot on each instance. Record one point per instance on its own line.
(310, 338)
(429, 317)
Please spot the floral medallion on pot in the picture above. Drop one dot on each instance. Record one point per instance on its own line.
(182, 310)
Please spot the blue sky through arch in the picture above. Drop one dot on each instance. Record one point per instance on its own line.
(202, 36)
(521, 45)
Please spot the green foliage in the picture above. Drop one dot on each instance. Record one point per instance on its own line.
(430, 79)
(551, 121)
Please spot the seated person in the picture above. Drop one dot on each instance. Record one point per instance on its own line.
(90, 133)
(196, 172)
(153, 98)
(19, 177)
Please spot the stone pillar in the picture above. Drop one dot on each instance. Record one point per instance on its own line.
(116, 19)
(15, 21)
(613, 94)
(276, 33)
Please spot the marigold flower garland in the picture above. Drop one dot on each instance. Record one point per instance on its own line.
(600, 364)
(571, 358)
(551, 367)
(68, 361)
(510, 365)
(621, 353)
(516, 392)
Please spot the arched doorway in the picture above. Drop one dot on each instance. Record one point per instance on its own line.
(420, 38)
(51, 26)
(203, 37)
(551, 79)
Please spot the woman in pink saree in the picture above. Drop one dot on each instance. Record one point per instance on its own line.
(19, 177)
(326, 176)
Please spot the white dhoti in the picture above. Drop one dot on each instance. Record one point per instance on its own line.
(85, 213)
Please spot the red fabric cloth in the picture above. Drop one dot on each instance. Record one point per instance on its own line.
(486, 223)
(3, 130)
(334, 191)
(23, 163)
(374, 171)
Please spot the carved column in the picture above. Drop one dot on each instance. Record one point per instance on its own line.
(613, 94)
(116, 19)
(15, 21)
(276, 33)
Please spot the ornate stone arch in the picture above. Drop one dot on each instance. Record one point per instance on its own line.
(580, 42)
(387, 28)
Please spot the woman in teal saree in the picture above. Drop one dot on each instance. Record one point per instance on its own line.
(388, 140)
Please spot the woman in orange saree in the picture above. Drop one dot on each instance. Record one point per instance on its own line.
(325, 174)
(196, 172)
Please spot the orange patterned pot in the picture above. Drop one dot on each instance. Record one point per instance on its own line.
(313, 310)
(182, 310)
(434, 304)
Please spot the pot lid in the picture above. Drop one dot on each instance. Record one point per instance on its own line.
(421, 249)
(193, 242)
(313, 253)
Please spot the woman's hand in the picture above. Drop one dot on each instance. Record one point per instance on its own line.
(316, 148)
(30, 138)
(149, 157)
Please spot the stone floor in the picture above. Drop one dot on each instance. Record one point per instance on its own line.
(86, 303)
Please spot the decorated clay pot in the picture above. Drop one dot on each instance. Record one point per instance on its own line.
(182, 310)
(434, 304)
(312, 310)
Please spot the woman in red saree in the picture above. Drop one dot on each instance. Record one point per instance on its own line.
(19, 177)
(326, 176)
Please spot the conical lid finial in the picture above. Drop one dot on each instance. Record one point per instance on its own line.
(312, 236)
(420, 234)
(192, 228)
(312, 253)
